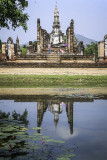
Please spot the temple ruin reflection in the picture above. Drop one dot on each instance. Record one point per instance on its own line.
(54, 105)
(56, 108)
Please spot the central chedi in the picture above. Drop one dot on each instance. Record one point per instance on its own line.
(56, 36)
(54, 42)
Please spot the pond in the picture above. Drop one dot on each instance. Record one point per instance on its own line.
(53, 127)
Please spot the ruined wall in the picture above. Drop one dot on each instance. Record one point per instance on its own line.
(3, 48)
(72, 36)
(42, 38)
(105, 46)
(102, 50)
(73, 47)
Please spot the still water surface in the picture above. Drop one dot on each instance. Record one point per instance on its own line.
(80, 122)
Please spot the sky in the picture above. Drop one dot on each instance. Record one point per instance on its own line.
(90, 19)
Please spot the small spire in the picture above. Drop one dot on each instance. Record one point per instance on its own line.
(17, 38)
(56, 4)
(56, 9)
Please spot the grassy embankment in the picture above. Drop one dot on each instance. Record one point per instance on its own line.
(34, 81)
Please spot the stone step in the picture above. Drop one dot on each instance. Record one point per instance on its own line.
(31, 58)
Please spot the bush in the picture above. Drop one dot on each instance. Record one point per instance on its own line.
(24, 50)
(91, 48)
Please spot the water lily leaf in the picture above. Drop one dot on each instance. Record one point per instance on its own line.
(37, 134)
(55, 141)
(45, 137)
(24, 129)
(20, 133)
(63, 158)
(3, 137)
(1, 133)
(35, 146)
(37, 128)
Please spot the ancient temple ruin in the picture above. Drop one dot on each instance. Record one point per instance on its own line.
(11, 49)
(55, 39)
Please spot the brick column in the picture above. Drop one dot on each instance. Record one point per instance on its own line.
(72, 36)
(38, 36)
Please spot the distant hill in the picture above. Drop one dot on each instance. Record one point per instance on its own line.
(78, 36)
(84, 39)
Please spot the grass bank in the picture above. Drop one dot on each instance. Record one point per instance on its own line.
(34, 81)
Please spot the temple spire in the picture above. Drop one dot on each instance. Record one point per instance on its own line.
(56, 5)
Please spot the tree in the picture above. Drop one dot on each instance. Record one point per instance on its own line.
(91, 49)
(12, 13)
(64, 38)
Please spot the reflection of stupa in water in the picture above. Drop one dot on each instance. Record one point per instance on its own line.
(56, 109)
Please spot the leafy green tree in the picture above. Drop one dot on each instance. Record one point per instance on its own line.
(91, 49)
(35, 44)
(24, 46)
(24, 50)
(12, 13)
(64, 38)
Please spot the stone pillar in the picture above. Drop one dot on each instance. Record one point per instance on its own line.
(3, 48)
(101, 51)
(41, 39)
(12, 51)
(72, 36)
(69, 110)
(105, 46)
(44, 40)
(39, 114)
(38, 36)
(17, 47)
(67, 38)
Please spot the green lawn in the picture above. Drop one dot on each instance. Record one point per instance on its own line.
(33, 81)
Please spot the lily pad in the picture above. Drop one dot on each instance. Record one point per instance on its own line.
(66, 156)
(63, 158)
(55, 141)
(45, 137)
(37, 128)
(37, 134)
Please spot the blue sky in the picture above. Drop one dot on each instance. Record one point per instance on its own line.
(90, 19)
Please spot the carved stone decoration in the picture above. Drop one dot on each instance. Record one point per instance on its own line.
(11, 49)
(9, 40)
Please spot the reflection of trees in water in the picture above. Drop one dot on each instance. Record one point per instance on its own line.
(4, 115)
(16, 116)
